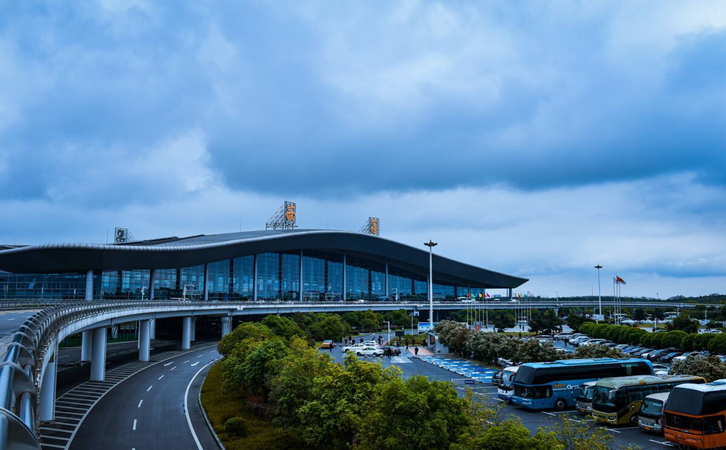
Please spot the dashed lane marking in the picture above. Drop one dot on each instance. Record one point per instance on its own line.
(140, 402)
(134, 425)
(161, 377)
(150, 388)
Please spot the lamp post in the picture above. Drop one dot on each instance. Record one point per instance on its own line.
(599, 297)
(389, 331)
(431, 244)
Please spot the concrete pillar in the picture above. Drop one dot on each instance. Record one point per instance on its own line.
(98, 361)
(186, 332)
(301, 276)
(152, 329)
(89, 285)
(226, 325)
(86, 345)
(254, 278)
(206, 282)
(144, 340)
(193, 335)
(152, 275)
(345, 278)
(47, 390)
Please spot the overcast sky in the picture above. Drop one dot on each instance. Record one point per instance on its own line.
(536, 138)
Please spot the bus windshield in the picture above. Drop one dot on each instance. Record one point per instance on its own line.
(505, 382)
(607, 399)
(651, 407)
(586, 393)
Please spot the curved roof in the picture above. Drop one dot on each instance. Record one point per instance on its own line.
(176, 252)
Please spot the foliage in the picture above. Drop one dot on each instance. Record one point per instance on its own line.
(400, 318)
(330, 327)
(283, 327)
(545, 322)
(711, 368)
(717, 343)
(639, 314)
(673, 339)
(237, 427)
(245, 331)
(574, 321)
(340, 398)
(702, 342)
(511, 435)
(571, 435)
(503, 320)
(413, 414)
(262, 364)
(363, 320)
(683, 323)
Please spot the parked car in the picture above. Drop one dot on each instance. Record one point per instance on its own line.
(623, 346)
(353, 347)
(369, 351)
(641, 353)
(395, 351)
(327, 344)
(591, 342)
(630, 351)
(564, 336)
(544, 337)
(669, 357)
(653, 356)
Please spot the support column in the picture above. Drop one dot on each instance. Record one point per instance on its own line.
(98, 361)
(387, 294)
(47, 390)
(193, 330)
(145, 340)
(206, 282)
(152, 330)
(152, 275)
(86, 345)
(301, 276)
(89, 285)
(254, 278)
(186, 332)
(226, 325)
(345, 277)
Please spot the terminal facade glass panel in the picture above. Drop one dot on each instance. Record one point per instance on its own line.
(268, 276)
(290, 276)
(218, 280)
(243, 278)
(192, 278)
(165, 284)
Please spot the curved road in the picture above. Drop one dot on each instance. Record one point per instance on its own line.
(147, 410)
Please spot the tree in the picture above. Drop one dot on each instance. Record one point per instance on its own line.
(673, 339)
(717, 344)
(283, 327)
(701, 341)
(658, 314)
(292, 386)
(546, 322)
(598, 351)
(353, 319)
(261, 365)
(503, 320)
(413, 414)
(340, 398)
(510, 435)
(249, 330)
(639, 314)
(683, 323)
(535, 351)
(710, 368)
(574, 321)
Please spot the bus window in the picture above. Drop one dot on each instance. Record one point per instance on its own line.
(713, 425)
(684, 422)
(543, 392)
(635, 393)
(650, 389)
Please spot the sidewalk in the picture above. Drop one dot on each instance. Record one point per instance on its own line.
(421, 351)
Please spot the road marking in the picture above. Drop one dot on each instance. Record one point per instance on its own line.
(667, 444)
(150, 388)
(140, 402)
(161, 377)
(173, 368)
(169, 364)
(195, 363)
(200, 355)
(134, 424)
(186, 407)
(185, 361)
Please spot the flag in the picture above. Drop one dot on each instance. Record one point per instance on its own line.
(619, 280)
(479, 294)
(488, 296)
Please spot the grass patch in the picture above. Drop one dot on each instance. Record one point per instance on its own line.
(221, 406)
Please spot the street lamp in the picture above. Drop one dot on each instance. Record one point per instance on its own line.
(389, 330)
(431, 244)
(395, 294)
(599, 297)
(143, 291)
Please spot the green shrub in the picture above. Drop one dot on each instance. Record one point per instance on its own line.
(237, 427)
(717, 344)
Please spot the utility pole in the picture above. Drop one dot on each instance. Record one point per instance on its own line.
(431, 244)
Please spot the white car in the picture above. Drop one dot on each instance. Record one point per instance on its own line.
(370, 343)
(369, 351)
(353, 347)
(593, 342)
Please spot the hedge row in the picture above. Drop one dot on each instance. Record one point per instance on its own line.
(622, 334)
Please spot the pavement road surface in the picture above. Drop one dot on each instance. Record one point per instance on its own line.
(147, 411)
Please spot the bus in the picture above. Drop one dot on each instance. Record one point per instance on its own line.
(556, 384)
(617, 400)
(583, 401)
(504, 388)
(694, 415)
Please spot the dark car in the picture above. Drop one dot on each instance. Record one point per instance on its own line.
(669, 357)
(653, 356)
(394, 351)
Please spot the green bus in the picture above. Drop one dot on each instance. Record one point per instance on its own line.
(616, 401)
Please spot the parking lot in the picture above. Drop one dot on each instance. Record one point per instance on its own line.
(470, 375)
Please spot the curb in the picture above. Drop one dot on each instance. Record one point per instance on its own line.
(204, 413)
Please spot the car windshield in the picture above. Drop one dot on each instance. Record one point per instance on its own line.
(651, 407)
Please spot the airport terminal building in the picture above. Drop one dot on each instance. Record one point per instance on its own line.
(288, 265)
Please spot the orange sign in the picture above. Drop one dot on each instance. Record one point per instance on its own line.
(290, 213)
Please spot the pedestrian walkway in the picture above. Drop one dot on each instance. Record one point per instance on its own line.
(460, 366)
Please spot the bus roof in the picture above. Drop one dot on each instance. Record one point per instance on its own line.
(661, 396)
(715, 386)
(582, 362)
(635, 380)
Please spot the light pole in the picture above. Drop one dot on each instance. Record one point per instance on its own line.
(389, 330)
(431, 244)
(599, 297)
(395, 294)
(143, 291)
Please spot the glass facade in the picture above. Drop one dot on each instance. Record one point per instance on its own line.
(278, 278)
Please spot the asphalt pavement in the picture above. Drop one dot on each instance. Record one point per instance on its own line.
(149, 409)
(10, 321)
